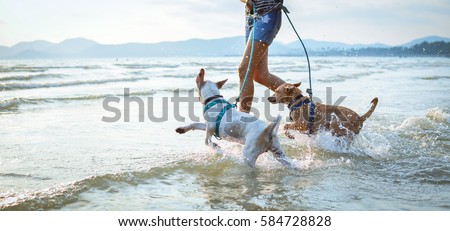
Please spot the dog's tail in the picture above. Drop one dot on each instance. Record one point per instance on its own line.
(369, 113)
(272, 129)
(269, 132)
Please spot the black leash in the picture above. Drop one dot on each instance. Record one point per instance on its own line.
(309, 91)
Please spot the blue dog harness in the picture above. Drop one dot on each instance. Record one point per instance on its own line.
(301, 103)
(213, 101)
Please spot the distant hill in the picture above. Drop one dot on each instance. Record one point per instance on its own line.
(315, 45)
(231, 46)
(4, 49)
(429, 39)
(71, 46)
(38, 45)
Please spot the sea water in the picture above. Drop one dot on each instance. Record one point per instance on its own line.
(58, 153)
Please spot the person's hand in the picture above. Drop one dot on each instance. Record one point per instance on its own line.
(249, 5)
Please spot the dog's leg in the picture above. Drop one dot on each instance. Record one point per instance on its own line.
(287, 133)
(194, 126)
(250, 155)
(211, 144)
(282, 158)
(294, 126)
(280, 155)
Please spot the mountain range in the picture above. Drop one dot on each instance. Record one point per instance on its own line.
(231, 46)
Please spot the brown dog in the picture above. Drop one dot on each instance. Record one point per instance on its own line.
(341, 121)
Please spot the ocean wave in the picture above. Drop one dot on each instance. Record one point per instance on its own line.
(434, 175)
(214, 173)
(428, 133)
(22, 68)
(30, 77)
(137, 73)
(86, 67)
(145, 66)
(433, 119)
(20, 86)
(26, 68)
(230, 86)
(212, 64)
(175, 173)
(222, 68)
(58, 197)
(14, 103)
(176, 76)
(342, 78)
(435, 77)
(438, 115)
(52, 198)
(17, 175)
(287, 69)
(190, 89)
(9, 104)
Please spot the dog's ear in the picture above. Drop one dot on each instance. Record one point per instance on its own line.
(221, 83)
(297, 84)
(289, 88)
(200, 77)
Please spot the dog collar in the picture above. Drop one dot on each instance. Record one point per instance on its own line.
(213, 102)
(294, 100)
(311, 112)
(301, 103)
(212, 98)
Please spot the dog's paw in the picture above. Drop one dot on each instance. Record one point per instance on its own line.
(180, 130)
(216, 148)
(289, 135)
(214, 145)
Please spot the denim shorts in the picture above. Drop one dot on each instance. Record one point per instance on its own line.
(267, 27)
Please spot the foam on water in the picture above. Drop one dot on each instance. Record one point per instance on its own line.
(145, 66)
(434, 122)
(438, 115)
(15, 103)
(16, 86)
(364, 144)
(30, 77)
(203, 182)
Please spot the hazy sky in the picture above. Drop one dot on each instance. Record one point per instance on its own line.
(391, 22)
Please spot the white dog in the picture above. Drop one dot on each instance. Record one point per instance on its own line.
(224, 121)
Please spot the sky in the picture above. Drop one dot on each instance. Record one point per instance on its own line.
(391, 22)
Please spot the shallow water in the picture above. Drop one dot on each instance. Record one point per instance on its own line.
(56, 153)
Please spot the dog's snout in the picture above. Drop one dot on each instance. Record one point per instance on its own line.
(272, 99)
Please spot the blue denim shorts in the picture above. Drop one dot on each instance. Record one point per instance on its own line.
(267, 27)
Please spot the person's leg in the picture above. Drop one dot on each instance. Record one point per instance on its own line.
(265, 31)
(260, 50)
(262, 75)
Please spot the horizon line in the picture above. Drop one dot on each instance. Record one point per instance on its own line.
(237, 36)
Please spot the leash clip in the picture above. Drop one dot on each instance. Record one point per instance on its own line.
(285, 9)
